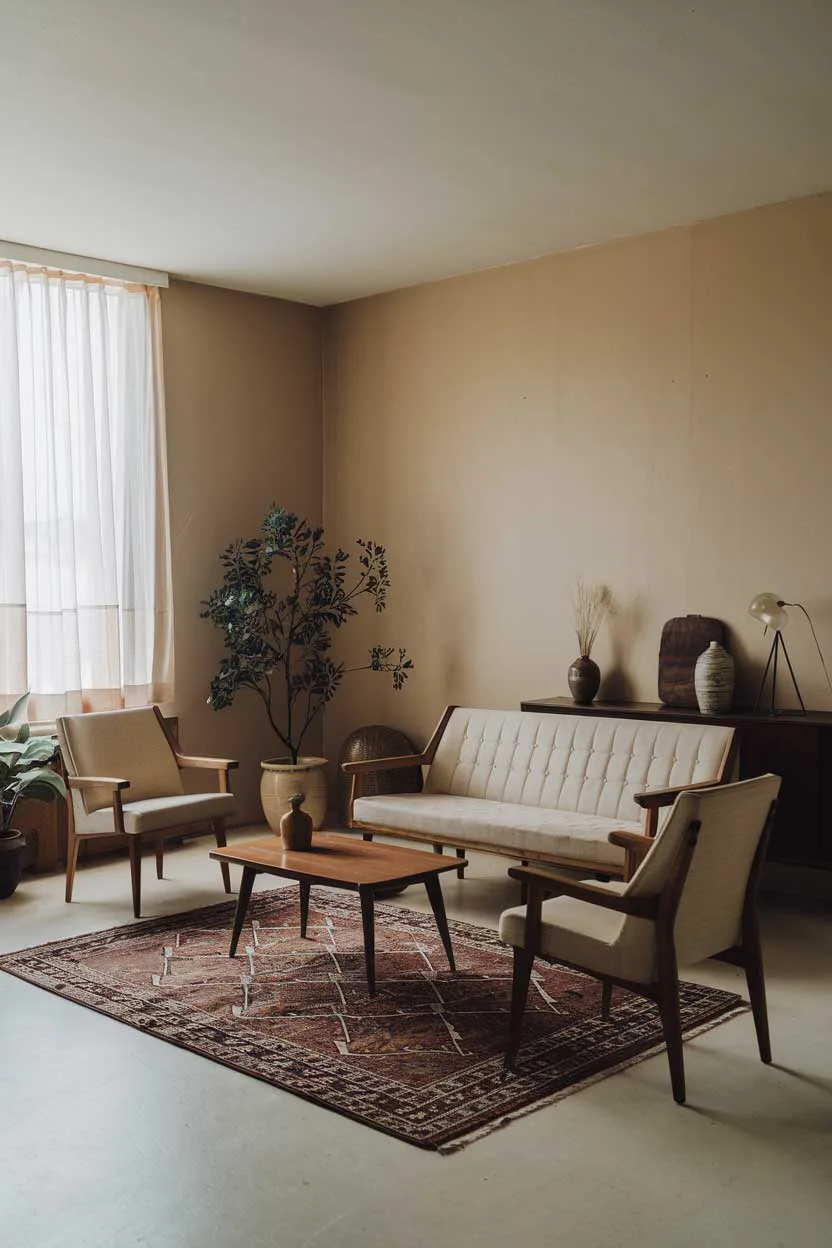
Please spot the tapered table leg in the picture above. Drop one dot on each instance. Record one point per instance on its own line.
(437, 901)
(243, 898)
(368, 923)
(304, 886)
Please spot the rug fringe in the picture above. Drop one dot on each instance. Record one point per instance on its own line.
(479, 1133)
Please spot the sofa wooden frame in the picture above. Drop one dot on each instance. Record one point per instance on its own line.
(651, 802)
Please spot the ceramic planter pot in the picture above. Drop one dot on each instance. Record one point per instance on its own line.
(12, 846)
(281, 780)
(713, 680)
(584, 678)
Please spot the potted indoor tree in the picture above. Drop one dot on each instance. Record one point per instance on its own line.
(24, 772)
(278, 641)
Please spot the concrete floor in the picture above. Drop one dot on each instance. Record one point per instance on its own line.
(110, 1139)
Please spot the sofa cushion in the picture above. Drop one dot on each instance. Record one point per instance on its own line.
(528, 831)
(588, 765)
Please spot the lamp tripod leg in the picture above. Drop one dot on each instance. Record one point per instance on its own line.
(765, 674)
(791, 673)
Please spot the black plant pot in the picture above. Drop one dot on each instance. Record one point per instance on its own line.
(584, 678)
(12, 846)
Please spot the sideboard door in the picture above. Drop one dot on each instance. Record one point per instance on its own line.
(793, 752)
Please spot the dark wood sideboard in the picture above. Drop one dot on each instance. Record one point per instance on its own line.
(796, 747)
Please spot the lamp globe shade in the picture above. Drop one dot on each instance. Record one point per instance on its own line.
(768, 608)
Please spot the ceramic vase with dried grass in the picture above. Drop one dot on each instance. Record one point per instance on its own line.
(591, 604)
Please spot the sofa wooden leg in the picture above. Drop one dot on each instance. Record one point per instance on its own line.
(460, 871)
(160, 861)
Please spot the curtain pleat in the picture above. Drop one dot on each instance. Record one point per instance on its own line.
(85, 581)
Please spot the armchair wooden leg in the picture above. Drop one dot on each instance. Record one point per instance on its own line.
(366, 836)
(753, 959)
(460, 871)
(135, 847)
(160, 861)
(73, 843)
(523, 963)
(672, 1026)
(606, 999)
(219, 836)
(524, 888)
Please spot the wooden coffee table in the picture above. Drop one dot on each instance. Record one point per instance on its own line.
(342, 862)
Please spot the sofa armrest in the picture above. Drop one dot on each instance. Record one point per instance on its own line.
(368, 766)
(635, 847)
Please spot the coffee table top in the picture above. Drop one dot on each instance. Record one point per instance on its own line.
(338, 859)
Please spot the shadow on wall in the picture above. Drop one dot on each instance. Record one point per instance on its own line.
(624, 626)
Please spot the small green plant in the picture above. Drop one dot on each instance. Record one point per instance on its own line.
(24, 769)
(279, 647)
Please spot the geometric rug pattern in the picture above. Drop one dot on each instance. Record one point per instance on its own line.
(422, 1060)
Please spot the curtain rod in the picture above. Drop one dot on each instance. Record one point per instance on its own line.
(81, 264)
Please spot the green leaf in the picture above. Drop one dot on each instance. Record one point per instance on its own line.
(8, 717)
(41, 783)
(39, 750)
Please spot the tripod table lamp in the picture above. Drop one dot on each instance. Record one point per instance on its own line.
(769, 609)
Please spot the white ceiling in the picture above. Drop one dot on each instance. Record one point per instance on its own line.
(327, 149)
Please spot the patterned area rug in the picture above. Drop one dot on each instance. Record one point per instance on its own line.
(421, 1061)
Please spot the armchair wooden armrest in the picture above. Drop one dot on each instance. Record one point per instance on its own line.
(635, 846)
(540, 882)
(369, 765)
(221, 766)
(209, 764)
(95, 782)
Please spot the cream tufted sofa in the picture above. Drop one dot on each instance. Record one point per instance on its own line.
(543, 788)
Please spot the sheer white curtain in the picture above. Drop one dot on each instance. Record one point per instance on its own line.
(85, 592)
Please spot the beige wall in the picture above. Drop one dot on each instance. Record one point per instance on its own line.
(653, 414)
(242, 381)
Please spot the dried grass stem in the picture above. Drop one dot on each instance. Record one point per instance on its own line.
(591, 604)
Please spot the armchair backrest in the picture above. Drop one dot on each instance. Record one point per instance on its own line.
(732, 820)
(126, 745)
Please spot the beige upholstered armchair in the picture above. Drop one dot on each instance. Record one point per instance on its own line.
(124, 776)
(693, 896)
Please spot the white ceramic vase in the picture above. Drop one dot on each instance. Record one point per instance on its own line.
(280, 780)
(713, 680)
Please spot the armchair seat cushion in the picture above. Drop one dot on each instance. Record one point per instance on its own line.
(527, 831)
(152, 814)
(589, 936)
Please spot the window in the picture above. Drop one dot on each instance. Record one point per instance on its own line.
(85, 601)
